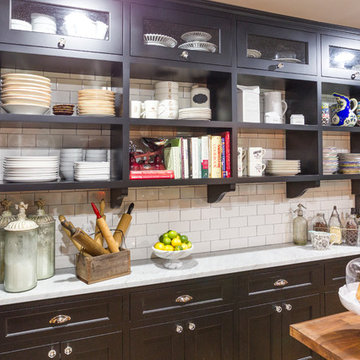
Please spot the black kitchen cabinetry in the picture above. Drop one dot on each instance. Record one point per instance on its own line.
(87, 25)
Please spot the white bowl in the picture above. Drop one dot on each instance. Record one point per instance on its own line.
(173, 257)
(26, 109)
(347, 296)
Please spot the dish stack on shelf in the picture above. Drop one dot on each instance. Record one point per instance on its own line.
(283, 167)
(17, 24)
(91, 171)
(159, 40)
(253, 53)
(197, 41)
(31, 168)
(349, 163)
(67, 159)
(96, 102)
(66, 109)
(25, 94)
(330, 160)
(195, 114)
(96, 155)
(200, 105)
(43, 23)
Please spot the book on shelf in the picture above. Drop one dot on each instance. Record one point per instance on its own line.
(151, 174)
(215, 154)
(226, 136)
(204, 157)
(172, 157)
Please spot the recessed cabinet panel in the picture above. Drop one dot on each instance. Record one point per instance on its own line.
(87, 26)
(51, 351)
(340, 57)
(178, 35)
(276, 49)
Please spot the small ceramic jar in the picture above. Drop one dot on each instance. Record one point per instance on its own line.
(320, 240)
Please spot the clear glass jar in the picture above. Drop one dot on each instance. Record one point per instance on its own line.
(319, 223)
(21, 237)
(351, 232)
(46, 242)
(300, 227)
(5, 219)
(335, 227)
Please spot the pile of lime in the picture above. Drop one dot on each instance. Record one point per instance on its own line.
(173, 241)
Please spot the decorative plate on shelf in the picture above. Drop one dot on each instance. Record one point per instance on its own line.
(252, 53)
(290, 60)
(159, 40)
(196, 36)
(199, 46)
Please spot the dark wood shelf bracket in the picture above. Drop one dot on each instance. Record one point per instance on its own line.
(117, 197)
(216, 193)
(355, 190)
(295, 189)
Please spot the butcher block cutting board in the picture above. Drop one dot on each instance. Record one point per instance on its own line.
(335, 337)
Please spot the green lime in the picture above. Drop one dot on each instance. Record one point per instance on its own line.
(161, 237)
(184, 239)
(172, 234)
(189, 244)
(166, 241)
(178, 248)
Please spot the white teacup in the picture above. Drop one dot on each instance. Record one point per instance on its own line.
(256, 168)
(135, 109)
(150, 109)
(256, 153)
(168, 109)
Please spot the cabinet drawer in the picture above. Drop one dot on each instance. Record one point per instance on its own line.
(40, 321)
(335, 272)
(274, 284)
(174, 299)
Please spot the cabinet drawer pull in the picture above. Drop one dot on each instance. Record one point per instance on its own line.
(355, 75)
(68, 350)
(280, 283)
(280, 66)
(278, 308)
(184, 299)
(288, 307)
(60, 319)
(51, 353)
(192, 326)
(61, 43)
(179, 329)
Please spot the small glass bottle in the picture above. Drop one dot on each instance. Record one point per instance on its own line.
(46, 242)
(351, 232)
(21, 237)
(319, 223)
(5, 219)
(335, 227)
(300, 227)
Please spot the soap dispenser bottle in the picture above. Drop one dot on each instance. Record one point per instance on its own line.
(300, 227)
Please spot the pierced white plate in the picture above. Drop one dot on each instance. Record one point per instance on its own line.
(196, 36)
(290, 60)
(252, 53)
(159, 40)
(199, 46)
(31, 179)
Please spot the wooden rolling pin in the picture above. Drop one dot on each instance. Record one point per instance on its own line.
(80, 236)
(69, 224)
(98, 235)
(123, 225)
(105, 231)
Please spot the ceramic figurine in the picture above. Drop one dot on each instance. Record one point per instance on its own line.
(345, 115)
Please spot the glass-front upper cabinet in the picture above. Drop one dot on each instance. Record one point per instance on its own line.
(340, 57)
(276, 49)
(85, 25)
(179, 35)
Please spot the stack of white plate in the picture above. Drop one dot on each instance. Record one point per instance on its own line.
(67, 159)
(96, 155)
(43, 23)
(283, 167)
(167, 90)
(91, 171)
(195, 114)
(197, 41)
(20, 25)
(330, 160)
(31, 168)
(25, 93)
(96, 102)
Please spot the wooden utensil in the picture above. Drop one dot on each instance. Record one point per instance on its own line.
(66, 226)
(123, 225)
(98, 235)
(105, 231)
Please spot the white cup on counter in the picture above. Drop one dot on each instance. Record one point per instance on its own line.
(168, 109)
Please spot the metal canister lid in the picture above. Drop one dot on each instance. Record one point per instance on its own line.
(22, 223)
(7, 216)
(41, 218)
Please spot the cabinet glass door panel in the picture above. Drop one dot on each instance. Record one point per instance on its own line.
(64, 24)
(276, 49)
(178, 35)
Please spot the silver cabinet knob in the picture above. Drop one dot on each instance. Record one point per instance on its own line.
(278, 308)
(51, 353)
(192, 326)
(288, 307)
(61, 43)
(355, 75)
(68, 350)
(184, 55)
(179, 329)
(280, 66)
(184, 299)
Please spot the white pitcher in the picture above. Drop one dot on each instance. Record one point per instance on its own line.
(274, 107)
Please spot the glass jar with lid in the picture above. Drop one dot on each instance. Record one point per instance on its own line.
(5, 218)
(21, 237)
(46, 242)
(319, 223)
(351, 232)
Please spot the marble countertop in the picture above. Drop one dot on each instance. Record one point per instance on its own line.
(149, 272)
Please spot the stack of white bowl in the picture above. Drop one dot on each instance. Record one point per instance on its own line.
(17, 24)
(96, 155)
(167, 93)
(67, 159)
(25, 93)
(96, 102)
(43, 23)
(91, 171)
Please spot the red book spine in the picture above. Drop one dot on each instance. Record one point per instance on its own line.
(151, 174)
(226, 136)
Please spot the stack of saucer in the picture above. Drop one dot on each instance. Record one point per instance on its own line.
(283, 167)
(66, 109)
(330, 160)
(91, 171)
(67, 159)
(96, 102)
(349, 163)
(17, 24)
(96, 155)
(195, 114)
(43, 23)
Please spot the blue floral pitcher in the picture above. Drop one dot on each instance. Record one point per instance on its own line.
(345, 115)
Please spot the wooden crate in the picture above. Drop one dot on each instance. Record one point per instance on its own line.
(92, 269)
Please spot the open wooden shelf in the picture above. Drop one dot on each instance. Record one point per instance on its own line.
(262, 126)
(181, 123)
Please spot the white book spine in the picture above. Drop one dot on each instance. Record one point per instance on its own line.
(186, 158)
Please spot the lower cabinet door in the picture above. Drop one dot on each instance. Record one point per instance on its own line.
(158, 342)
(210, 337)
(294, 311)
(103, 347)
(260, 332)
(35, 353)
